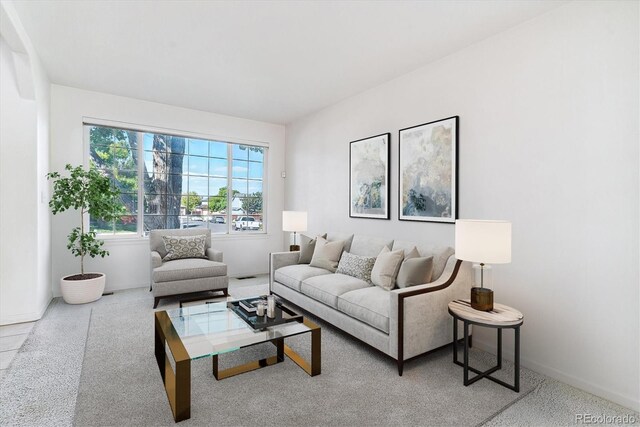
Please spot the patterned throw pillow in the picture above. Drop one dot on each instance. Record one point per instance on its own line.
(356, 266)
(184, 246)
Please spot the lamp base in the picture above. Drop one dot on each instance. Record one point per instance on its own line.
(293, 248)
(482, 299)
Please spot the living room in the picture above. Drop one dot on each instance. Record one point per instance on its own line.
(545, 96)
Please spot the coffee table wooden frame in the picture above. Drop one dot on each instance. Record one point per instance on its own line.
(178, 384)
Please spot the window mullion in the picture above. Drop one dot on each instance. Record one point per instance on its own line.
(229, 188)
(140, 216)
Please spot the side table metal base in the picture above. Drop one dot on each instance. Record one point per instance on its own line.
(486, 374)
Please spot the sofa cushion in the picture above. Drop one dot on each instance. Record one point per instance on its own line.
(292, 275)
(327, 288)
(188, 268)
(368, 246)
(346, 237)
(386, 268)
(415, 271)
(179, 247)
(307, 247)
(356, 266)
(440, 254)
(369, 305)
(327, 254)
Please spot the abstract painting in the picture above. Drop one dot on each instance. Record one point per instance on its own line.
(369, 177)
(428, 171)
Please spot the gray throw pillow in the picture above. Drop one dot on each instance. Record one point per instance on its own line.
(386, 268)
(184, 246)
(327, 254)
(356, 266)
(415, 271)
(307, 246)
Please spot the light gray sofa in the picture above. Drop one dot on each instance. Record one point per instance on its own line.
(402, 323)
(184, 276)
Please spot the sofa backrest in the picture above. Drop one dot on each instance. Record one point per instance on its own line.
(157, 244)
(347, 237)
(440, 254)
(369, 246)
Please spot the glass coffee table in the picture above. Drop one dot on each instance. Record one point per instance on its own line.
(208, 330)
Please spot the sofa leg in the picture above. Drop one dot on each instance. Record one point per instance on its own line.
(150, 287)
(225, 292)
(470, 341)
(400, 365)
(155, 302)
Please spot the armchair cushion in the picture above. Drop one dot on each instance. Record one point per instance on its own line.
(179, 247)
(187, 269)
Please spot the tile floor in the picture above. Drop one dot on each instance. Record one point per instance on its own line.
(11, 339)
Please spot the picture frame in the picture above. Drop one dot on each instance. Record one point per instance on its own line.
(428, 171)
(369, 173)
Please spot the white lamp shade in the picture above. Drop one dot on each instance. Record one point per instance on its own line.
(294, 221)
(483, 241)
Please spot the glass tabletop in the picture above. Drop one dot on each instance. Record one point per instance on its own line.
(209, 329)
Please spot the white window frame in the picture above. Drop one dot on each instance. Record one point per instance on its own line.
(230, 141)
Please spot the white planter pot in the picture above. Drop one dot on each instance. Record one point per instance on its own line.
(82, 291)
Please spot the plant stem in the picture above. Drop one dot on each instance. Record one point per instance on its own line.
(81, 236)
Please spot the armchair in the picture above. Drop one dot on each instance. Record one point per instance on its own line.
(187, 275)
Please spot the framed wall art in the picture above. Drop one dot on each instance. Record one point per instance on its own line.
(428, 172)
(369, 177)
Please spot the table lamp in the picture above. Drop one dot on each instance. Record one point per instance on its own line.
(294, 221)
(483, 242)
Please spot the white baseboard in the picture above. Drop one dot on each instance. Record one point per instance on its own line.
(620, 399)
(25, 317)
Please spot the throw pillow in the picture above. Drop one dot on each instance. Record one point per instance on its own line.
(415, 271)
(386, 268)
(356, 266)
(307, 246)
(413, 253)
(327, 254)
(184, 246)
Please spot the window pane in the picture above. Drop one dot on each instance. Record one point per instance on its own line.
(240, 169)
(255, 170)
(217, 205)
(155, 203)
(191, 204)
(255, 187)
(130, 202)
(101, 227)
(198, 185)
(240, 152)
(256, 154)
(241, 186)
(252, 206)
(127, 224)
(198, 165)
(218, 167)
(177, 163)
(198, 147)
(148, 141)
(218, 187)
(218, 149)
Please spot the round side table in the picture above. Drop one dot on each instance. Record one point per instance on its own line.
(501, 317)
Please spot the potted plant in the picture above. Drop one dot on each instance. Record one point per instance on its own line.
(89, 192)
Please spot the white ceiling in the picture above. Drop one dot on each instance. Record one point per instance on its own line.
(274, 61)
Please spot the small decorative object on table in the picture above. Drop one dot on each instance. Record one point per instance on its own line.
(294, 221)
(483, 242)
(500, 317)
(260, 309)
(271, 306)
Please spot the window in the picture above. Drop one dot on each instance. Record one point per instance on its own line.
(171, 181)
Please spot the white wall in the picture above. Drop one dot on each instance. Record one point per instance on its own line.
(549, 135)
(128, 264)
(25, 264)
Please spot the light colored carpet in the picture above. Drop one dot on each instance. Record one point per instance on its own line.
(51, 381)
(121, 384)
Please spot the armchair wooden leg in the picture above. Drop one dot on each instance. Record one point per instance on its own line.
(400, 366)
